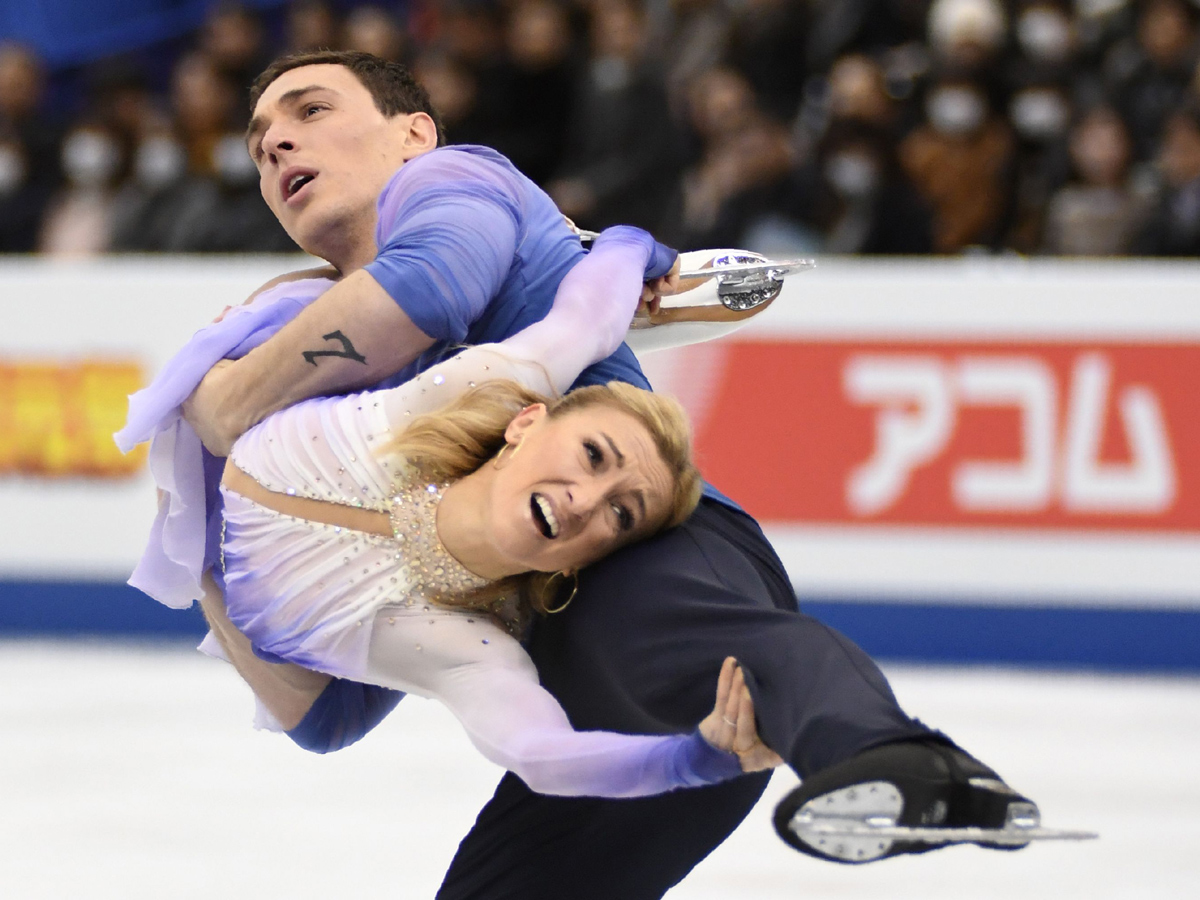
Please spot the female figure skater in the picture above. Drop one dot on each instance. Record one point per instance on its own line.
(390, 536)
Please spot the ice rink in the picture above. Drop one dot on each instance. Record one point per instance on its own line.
(130, 771)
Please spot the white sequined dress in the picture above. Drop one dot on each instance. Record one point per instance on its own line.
(309, 592)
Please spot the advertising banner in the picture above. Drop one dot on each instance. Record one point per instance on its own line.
(971, 461)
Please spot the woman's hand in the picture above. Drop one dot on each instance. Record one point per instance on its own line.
(653, 291)
(730, 726)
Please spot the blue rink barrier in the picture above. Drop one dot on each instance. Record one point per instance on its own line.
(90, 609)
(1114, 639)
(1070, 637)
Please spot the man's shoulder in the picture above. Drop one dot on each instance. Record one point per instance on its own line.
(463, 170)
(460, 162)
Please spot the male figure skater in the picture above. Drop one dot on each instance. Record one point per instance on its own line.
(462, 248)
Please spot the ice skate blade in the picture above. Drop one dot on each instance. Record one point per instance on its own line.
(858, 824)
(751, 266)
(1007, 836)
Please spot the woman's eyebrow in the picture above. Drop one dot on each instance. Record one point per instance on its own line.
(612, 446)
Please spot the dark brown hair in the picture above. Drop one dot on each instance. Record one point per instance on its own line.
(390, 84)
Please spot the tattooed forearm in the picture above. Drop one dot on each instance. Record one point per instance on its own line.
(347, 351)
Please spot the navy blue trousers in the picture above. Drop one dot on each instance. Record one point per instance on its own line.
(638, 651)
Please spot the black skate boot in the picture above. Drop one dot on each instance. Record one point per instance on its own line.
(905, 797)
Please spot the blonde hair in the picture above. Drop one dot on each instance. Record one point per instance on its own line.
(457, 440)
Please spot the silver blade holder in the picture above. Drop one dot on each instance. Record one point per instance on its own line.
(746, 282)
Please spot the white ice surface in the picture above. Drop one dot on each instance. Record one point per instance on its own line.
(131, 772)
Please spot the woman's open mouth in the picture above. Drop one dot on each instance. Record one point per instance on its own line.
(543, 515)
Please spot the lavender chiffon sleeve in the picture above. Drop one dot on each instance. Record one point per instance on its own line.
(491, 686)
(173, 562)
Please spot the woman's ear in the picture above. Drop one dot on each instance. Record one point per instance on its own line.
(530, 417)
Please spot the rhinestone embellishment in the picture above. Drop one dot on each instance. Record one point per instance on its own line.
(433, 573)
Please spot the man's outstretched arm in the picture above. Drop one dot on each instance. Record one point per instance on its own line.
(354, 335)
(447, 236)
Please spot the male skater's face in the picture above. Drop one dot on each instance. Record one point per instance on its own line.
(324, 152)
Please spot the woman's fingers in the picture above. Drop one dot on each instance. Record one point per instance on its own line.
(718, 727)
(753, 754)
(747, 732)
(729, 711)
(731, 726)
(724, 684)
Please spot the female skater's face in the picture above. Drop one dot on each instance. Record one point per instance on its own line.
(577, 487)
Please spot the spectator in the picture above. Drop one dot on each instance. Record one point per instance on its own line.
(473, 37)
(120, 95)
(1040, 113)
(1045, 38)
(698, 33)
(767, 46)
(856, 196)
(744, 161)
(29, 172)
(858, 92)
(156, 197)
(961, 163)
(1148, 72)
(374, 30)
(454, 92)
(226, 213)
(232, 37)
(966, 38)
(1099, 212)
(623, 152)
(856, 89)
(539, 77)
(310, 25)
(79, 220)
(1174, 225)
(205, 105)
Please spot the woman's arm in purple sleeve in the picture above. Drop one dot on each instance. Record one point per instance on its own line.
(491, 686)
(592, 309)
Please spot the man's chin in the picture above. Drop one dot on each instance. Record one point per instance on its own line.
(307, 227)
(331, 230)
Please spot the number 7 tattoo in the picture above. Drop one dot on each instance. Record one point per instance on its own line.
(347, 351)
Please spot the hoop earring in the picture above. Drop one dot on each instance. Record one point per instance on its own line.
(574, 591)
(500, 455)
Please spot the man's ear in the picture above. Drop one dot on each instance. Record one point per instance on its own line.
(420, 135)
(529, 417)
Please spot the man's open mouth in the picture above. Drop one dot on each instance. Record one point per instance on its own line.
(295, 182)
(543, 515)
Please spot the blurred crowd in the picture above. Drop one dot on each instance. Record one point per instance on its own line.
(837, 126)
